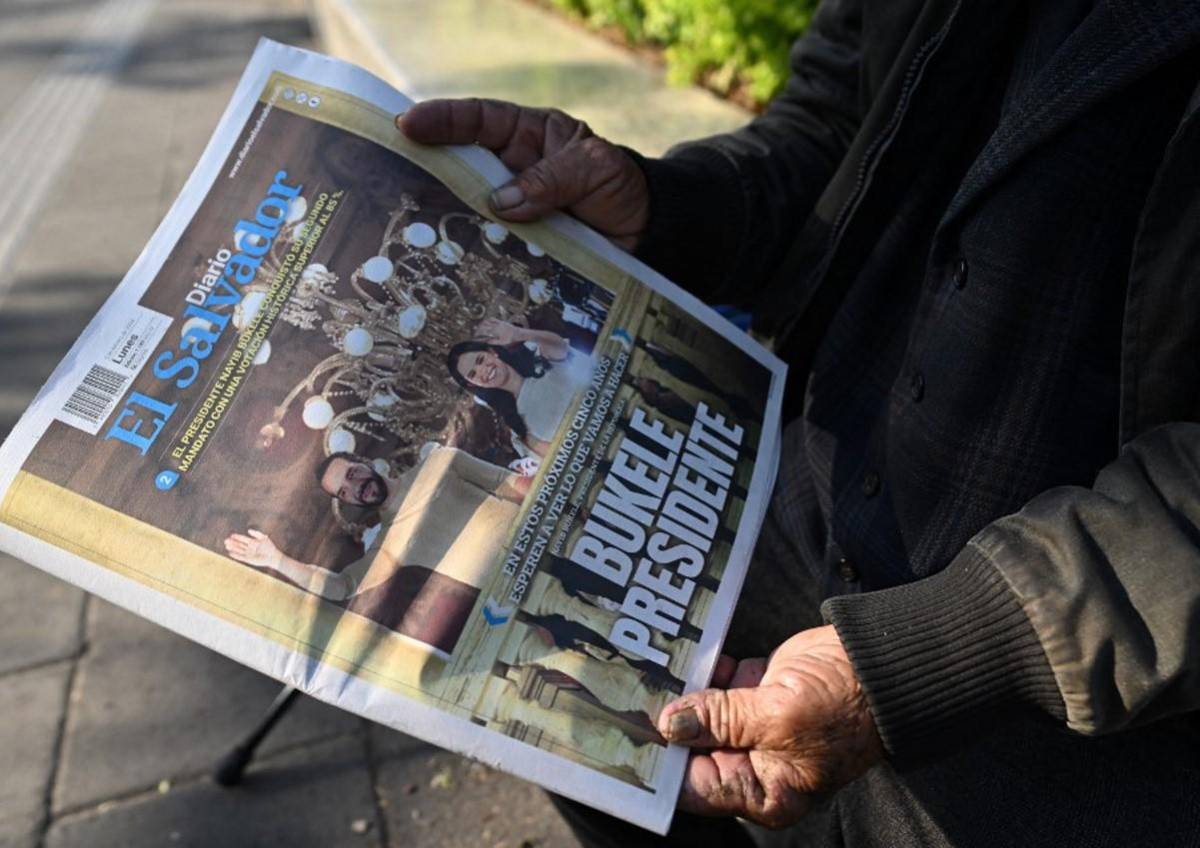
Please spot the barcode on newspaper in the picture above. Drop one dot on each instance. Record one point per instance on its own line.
(94, 398)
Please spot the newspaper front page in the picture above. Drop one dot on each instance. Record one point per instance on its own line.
(493, 485)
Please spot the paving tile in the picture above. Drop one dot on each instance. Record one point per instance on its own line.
(39, 319)
(319, 797)
(433, 799)
(32, 704)
(39, 616)
(389, 744)
(149, 705)
(513, 50)
(32, 35)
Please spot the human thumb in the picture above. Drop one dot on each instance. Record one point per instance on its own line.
(714, 718)
(558, 181)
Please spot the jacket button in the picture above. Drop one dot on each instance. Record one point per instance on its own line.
(960, 274)
(917, 386)
(870, 484)
(846, 571)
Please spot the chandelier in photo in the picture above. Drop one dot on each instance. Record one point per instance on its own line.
(419, 295)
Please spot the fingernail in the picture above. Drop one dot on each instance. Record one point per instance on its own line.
(683, 726)
(507, 197)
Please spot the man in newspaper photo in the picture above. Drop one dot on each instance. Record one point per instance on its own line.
(441, 523)
(970, 229)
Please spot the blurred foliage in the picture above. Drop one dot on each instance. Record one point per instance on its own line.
(738, 48)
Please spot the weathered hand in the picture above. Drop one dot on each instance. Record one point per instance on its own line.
(788, 728)
(559, 163)
(255, 549)
(498, 332)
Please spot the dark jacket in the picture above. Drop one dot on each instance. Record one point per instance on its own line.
(1100, 585)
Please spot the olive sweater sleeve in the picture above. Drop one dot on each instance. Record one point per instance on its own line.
(1085, 604)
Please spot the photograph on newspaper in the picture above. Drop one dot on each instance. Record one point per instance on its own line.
(495, 485)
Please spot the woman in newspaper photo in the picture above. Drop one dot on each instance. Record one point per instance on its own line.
(529, 377)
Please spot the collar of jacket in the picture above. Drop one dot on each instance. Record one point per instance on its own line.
(1117, 43)
(1160, 344)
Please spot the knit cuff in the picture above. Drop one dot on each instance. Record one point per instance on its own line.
(694, 198)
(934, 655)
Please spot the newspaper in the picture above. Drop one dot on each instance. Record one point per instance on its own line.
(494, 485)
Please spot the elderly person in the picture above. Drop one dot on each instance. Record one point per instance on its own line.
(971, 230)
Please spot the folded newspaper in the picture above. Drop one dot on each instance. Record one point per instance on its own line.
(494, 485)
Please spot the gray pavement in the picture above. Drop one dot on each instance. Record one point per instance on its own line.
(112, 724)
(515, 50)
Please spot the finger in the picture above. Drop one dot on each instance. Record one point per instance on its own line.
(749, 673)
(239, 539)
(723, 673)
(726, 783)
(491, 123)
(716, 718)
(519, 135)
(257, 534)
(722, 783)
(560, 181)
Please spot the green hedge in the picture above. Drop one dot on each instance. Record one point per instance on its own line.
(732, 46)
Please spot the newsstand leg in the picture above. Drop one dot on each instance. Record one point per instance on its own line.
(232, 767)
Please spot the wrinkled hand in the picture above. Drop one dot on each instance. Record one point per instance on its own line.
(788, 729)
(497, 332)
(559, 163)
(255, 549)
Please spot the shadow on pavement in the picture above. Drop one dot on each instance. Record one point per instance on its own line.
(39, 321)
(583, 83)
(175, 57)
(12, 9)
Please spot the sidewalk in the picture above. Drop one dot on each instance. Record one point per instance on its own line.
(112, 724)
(514, 50)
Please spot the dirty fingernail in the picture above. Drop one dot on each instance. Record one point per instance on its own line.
(683, 726)
(507, 197)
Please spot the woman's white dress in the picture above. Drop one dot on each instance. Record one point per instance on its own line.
(543, 401)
